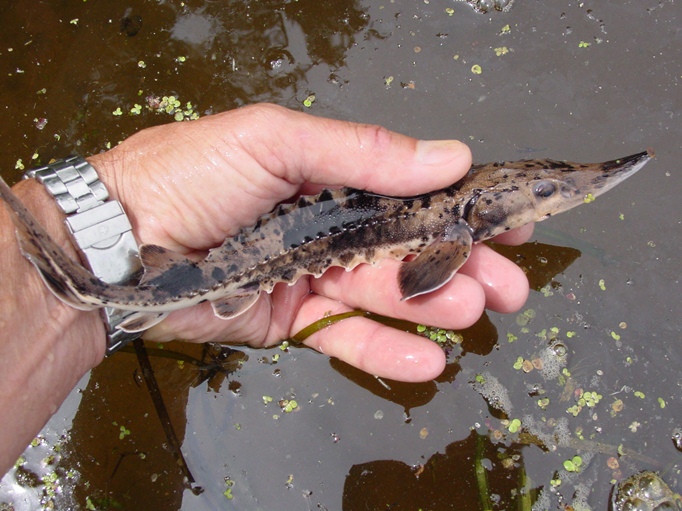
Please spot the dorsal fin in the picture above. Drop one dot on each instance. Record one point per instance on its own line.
(236, 252)
(157, 260)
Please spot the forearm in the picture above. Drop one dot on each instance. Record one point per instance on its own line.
(45, 345)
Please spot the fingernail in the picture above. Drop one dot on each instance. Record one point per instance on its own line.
(438, 152)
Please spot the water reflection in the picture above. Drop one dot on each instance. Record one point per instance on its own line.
(262, 51)
(92, 59)
(129, 439)
(470, 474)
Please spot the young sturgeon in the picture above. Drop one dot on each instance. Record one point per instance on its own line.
(335, 228)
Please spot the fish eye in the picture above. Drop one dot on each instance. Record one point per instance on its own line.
(544, 189)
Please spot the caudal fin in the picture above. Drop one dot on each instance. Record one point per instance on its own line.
(56, 268)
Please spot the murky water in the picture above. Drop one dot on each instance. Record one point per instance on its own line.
(590, 367)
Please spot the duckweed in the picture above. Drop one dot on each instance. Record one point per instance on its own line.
(574, 464)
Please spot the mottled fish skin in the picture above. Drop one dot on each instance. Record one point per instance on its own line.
(341, 228)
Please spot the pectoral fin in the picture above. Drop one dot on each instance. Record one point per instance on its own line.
(437, 264)
(232, 306)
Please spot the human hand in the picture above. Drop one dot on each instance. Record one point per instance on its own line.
(188, 186)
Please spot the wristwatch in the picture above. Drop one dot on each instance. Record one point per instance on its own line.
(99, 229)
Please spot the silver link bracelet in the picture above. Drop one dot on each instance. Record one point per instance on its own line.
(99, 228)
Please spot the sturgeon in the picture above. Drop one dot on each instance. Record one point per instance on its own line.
(343, 228)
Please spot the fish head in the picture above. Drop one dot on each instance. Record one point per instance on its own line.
(518, 193)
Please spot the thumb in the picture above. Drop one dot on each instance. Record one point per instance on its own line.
(339, 153)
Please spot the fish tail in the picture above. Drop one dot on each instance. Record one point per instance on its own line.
(59, 272)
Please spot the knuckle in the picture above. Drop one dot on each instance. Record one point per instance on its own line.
(373, 138)
(260, 115)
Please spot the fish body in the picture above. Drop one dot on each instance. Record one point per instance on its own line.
(342, 228)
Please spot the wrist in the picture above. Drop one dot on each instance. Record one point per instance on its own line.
(45, 345)
(88, 323)
(100, 230)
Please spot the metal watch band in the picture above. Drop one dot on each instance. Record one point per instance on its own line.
(100, 230)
